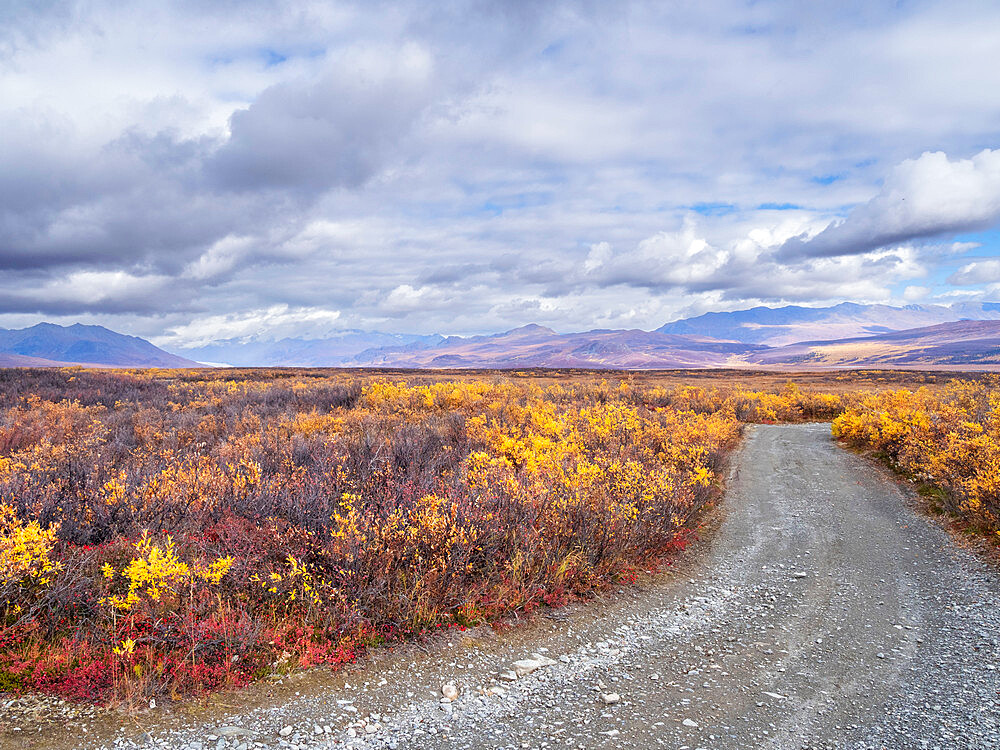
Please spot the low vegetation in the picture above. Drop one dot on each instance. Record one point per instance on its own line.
(169, 533)
(949, 440)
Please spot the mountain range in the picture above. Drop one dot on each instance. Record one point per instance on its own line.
(49, 345)
(848, 335)
(777, 326)
(957, 344)
(296, 352)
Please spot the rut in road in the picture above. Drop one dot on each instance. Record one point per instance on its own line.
(823, 613)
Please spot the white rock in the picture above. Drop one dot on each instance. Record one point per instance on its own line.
(509, 676)
(449, 691)
(543, 660)
(610, 698)
(232, 732)
(285, 731)
(689, 723)
(524, 667)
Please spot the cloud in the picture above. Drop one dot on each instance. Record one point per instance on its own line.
(80, 291)
(219, 259)
(977, 272)
(667, 259)
(332, 132)
(746, 268)
(275, 322)
(927, 197)
(470, 166)
(913, 293)
(405, 299)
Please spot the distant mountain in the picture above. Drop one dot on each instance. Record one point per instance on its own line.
(966, 344)
(786, 325)
(48, 345)
(842, 336)
(536, 346)
(953, 344)
(332, 351)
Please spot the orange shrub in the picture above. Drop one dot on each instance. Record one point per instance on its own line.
(951, 440)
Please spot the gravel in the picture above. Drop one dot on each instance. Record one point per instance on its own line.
(823, 612)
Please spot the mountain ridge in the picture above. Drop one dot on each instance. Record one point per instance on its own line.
(301, 352)
(780, 326)
(862, 336)
(52, 345)
(959, 344)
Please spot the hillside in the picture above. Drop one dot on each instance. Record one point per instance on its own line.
(330, 351)
(961, 344)
(50, 345)
(957, 344)
(780, 326)
(536, 346)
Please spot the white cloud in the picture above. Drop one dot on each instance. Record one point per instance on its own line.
(664, 260)
(272, 323)
(913, 293)
(925, 197)
(79, 291)
(223, 256)
(977, 272)
(92, 286)
(407, 299)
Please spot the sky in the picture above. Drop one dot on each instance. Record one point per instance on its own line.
(189, 171)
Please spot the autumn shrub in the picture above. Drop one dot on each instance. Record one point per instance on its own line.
(949, 439)
(176, 532)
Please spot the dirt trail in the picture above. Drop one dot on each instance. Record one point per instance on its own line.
(822, 613)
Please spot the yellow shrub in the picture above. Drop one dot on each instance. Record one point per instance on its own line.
(158, 573)
(25, 550)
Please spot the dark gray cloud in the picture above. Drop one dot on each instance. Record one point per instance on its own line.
(338, 131)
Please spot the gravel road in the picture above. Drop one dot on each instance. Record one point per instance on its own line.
(822, 612)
